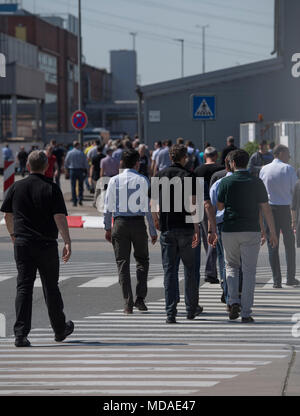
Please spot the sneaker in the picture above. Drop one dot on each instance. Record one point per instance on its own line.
(171, 320)
(248, 320)
(68, 331)
(294, 282)
(234, 311)
(212, 280)
(128, 310)
(140, 304)
(22, 342)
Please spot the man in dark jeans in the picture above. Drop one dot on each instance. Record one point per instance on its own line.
(34, 212)
(77, 164)
(280, 180)
(129, 227)
(206, 171)
(179, 237)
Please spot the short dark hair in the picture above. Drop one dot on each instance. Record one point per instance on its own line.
(129, 158)
(263, 143)
(159, 143)
(240, 157)
(179, 140)
(168, 143)
(280, 148)
(76, 144)
(189, 143)
(100, 148)
(271, 145)
(177, 152)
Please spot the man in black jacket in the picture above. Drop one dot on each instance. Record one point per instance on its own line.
(229, 148)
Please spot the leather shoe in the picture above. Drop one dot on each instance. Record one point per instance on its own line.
(277, 286)
(171, 320)
(294, 282)
(22, 342)
(68, 331)
(128, 310)
(248, 320)
(140, 305)
(234, 311)
(199, 310)
(212, 280)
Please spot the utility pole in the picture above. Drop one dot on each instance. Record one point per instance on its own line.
(182, 55)
(79, 44)
(204, 27)
(134, 35)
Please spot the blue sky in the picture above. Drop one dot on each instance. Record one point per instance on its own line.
(240, 31)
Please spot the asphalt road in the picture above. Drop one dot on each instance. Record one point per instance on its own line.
(207, 356)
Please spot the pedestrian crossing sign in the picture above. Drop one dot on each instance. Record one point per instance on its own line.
(204, 107)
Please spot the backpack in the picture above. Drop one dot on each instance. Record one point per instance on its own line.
(192, 162)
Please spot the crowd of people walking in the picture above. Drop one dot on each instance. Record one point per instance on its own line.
(246, 202)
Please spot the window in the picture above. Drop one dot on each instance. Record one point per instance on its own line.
(48, 64)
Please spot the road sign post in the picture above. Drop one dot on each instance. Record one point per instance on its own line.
(79, 120)
(203, 109)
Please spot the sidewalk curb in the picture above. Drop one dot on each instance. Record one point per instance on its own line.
(80, 222)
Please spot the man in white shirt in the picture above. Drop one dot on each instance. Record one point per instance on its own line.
(280, 179)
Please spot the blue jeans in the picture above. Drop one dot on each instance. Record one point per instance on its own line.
(177, 244)
(76, 174)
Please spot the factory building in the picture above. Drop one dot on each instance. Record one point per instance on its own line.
(267, 89)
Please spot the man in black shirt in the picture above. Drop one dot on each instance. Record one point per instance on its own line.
(34, 212)
(206, 171)
(22, 158)
(59, 153)
(179, 237)
(95, 172)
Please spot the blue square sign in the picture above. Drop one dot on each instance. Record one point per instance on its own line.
(204, 107)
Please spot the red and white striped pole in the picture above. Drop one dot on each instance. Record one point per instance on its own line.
(8, 176)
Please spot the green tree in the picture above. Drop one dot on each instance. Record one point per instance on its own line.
(251, 147)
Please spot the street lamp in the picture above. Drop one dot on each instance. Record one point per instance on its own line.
(182, 55)
(203, 45)
(134, 35)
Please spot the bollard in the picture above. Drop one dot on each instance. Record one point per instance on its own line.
(8, 176)
(2, 326)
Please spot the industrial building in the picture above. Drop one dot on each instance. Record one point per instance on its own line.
(241, 93)
(39, 93)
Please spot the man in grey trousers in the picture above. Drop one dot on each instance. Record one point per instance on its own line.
(244, 198)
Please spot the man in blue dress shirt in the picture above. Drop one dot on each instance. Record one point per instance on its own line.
(280, 179)
(77, 164)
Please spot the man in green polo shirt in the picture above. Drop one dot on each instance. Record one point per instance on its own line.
(244, 198)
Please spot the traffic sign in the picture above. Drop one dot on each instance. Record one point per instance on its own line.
(79, 120)
(204, 107)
